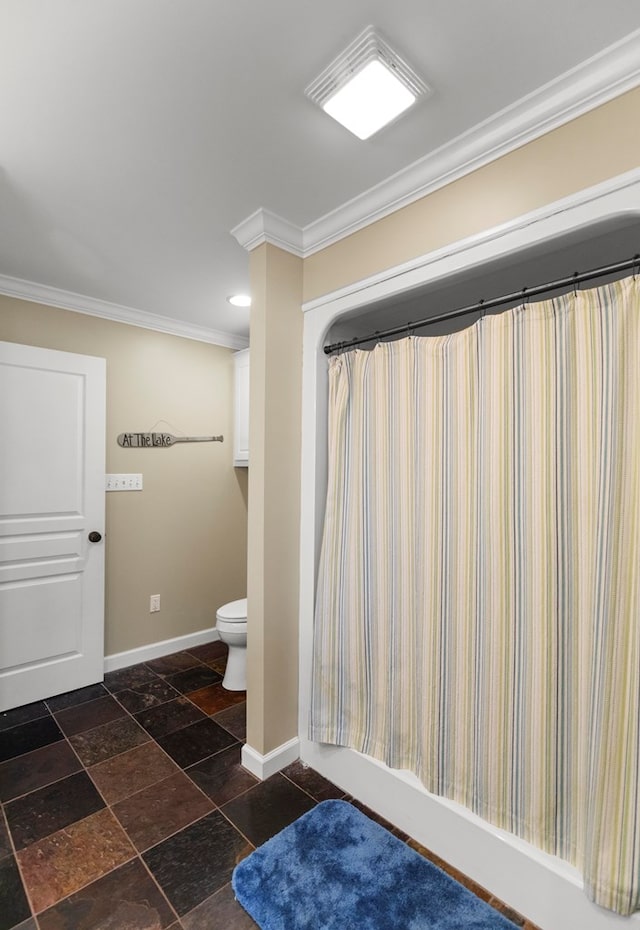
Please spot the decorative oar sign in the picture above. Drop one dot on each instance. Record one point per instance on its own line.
(153, 440)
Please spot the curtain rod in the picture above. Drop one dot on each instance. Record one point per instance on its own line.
(483, 305)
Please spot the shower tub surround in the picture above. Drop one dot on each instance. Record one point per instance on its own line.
(545, 887)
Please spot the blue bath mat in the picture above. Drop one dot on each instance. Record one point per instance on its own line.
(335, 869)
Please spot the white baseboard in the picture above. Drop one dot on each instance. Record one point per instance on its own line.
(264, 766)
(156, 650)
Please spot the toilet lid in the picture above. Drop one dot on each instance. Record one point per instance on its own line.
(235, 610)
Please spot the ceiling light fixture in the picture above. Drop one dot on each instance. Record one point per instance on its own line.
(239, 300)
(367, 86)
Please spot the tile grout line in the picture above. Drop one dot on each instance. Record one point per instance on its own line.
(160, 677)
(160, 889)
(215, 808)
(152, 785)
(135, 852)
(180, 694)
(31, 720)
(235, 827)
(66, 739)
(47, 784)
(62, 829)
(138, 854)
(283, 773)
(240, 795)
(162, 749)
(86, 884)
(153, 738)
(83, 768)
(219, 891)
(17, 862)
(25, 885)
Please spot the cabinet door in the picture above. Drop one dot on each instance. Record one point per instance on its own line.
(241, 419)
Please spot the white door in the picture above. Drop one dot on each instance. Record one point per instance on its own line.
(52, 467)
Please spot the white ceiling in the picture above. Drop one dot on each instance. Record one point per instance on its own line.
(136, 134)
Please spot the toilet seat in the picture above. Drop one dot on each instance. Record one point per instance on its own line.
(233, 612)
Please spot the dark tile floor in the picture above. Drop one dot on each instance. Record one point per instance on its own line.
(125, 807)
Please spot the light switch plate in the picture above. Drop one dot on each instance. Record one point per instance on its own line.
(123, 482)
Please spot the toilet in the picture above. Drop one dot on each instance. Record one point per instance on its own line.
(231, 624)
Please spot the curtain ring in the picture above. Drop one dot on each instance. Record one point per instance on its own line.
(575, 283)
(410, 329)
(482, 309)
(525, 299)
(636, 266)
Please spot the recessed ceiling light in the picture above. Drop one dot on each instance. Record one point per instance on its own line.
(240, 300)
(367, 86)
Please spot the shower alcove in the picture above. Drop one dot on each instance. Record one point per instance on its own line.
(593, 228)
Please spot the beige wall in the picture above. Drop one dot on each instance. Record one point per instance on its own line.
(274, 498)
(184, 536)
(584, 152)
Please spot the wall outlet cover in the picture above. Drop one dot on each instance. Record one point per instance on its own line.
(123, 483)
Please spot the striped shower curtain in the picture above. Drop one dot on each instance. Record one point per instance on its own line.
(478, 604)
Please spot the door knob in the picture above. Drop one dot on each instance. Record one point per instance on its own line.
(94, 536)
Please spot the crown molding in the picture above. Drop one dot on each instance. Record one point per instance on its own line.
(585, 87)
(579, 90)
(80, 303)
(264, 226)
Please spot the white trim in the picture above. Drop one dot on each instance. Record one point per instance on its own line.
(477, 249)
(497, 860)
(264, 226)
(585, 87)
(165, 647)
(548, 891)
(590, 84)
(265, 766)
(93, 306)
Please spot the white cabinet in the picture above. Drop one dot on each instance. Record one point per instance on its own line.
(241, 409)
